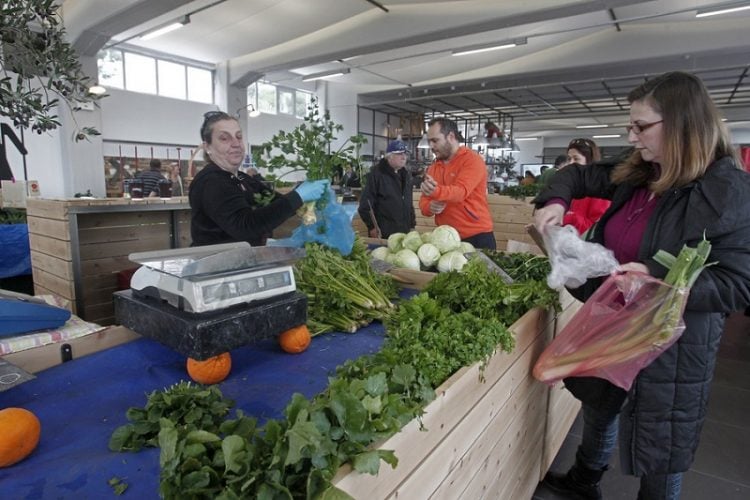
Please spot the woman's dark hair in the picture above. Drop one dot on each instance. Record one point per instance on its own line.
(209, 119)
(446, 127)
(693, 133)
(587, 148)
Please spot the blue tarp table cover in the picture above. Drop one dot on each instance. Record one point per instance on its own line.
(15, 256)
(82, 402)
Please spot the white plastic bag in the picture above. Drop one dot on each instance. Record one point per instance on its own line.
(573, 260)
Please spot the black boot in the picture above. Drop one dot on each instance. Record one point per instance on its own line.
(579, 483)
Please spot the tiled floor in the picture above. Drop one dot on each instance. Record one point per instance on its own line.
(721, 470)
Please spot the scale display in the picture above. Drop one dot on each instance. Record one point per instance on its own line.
(253, 286)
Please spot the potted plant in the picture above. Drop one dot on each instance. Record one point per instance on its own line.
(307, 149)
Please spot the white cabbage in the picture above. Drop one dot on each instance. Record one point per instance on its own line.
(445, 238)
(394, 242)
(380, 253)
(428, 254)
(451, 261)
(426, 237)
(406, 258)
(467, 247)
(412, 241)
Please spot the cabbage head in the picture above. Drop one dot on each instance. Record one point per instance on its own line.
(451, 261)
(445, 238)
(426, 237)
(412, 241)
(407, 259)
(428, 254)
(466, 247)
(394, 242)
(380, 253)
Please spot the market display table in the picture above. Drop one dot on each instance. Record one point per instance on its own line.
(82, 402)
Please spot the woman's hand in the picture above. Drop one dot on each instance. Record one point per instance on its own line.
(633, 266)
(552, 215)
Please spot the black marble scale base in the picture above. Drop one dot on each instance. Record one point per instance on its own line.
(201, 336)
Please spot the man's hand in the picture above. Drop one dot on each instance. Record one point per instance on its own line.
(428, 186)
(552, 214)
(437, 207)
(374, 233)
(633, 266)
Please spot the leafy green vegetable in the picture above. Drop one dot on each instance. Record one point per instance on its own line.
(186, 405)
(521, 266)
(118, 485)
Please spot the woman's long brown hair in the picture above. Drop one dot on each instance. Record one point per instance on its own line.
(694, 135)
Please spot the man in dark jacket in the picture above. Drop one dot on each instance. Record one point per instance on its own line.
(388, 195)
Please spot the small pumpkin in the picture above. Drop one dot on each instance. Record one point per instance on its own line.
(210, 371)
(295, 340)
(19, 435)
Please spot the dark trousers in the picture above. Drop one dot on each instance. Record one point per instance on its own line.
(482, 240)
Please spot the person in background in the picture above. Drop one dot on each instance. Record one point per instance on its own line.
(350, 178)
(176, 178)
(454, 189)
(528, 178)
(681, 182)
(223, 202)
(546, 174)
(388, 195)
(151, 178)
(584, 213)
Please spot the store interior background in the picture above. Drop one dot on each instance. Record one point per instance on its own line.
(399, 61)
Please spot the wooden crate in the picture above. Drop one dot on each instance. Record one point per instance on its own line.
(487, 433)
(78, 247)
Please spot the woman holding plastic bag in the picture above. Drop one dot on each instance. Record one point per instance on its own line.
(682, 180)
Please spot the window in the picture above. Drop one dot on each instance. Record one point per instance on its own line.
(171, 79)
(302, 102)
(267, 98)
(132, 71)
(200, 85)
(110, 69)
(140, 73)
(286, 102)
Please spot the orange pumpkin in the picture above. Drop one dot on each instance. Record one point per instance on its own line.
(295, 340)
(210, 371)
(19, 435)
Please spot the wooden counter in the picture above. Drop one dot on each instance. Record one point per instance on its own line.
(489, 434)
(78, 247)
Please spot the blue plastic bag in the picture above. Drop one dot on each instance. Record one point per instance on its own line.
(15, 255)
(332, 229)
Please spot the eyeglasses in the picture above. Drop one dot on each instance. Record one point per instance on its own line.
(581, 142)
(637, 128)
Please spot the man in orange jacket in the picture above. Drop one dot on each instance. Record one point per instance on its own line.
(454, 189)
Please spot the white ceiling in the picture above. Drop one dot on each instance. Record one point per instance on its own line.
(580, 58)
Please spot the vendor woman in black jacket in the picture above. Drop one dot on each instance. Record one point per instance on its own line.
(388, 195)
(225, 202)
(681, 181)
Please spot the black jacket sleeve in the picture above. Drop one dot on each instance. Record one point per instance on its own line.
(367, 199)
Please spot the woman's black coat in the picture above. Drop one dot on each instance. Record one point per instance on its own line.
(661, 420)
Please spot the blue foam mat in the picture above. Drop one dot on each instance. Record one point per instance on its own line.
(80, 404)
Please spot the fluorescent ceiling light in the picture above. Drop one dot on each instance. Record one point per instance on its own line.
(716, 12)
(166, 29)
(326, 74)
(97, 90)
(607, 136)
(475, 49)
(592, 126)
(526, 138)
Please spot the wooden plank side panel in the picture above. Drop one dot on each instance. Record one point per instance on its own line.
(107, 265)
(457, 457)
(50, 246)
(158, 239)
(54, 228)
(101, 314)
(524, 476)
(123, 233)
(454, 399)
(47, 208)
(122, 219)
(55, 284)
(53, 265)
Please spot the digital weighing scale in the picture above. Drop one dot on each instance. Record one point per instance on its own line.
(213, 277)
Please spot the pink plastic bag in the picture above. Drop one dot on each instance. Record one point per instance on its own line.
(626, 324)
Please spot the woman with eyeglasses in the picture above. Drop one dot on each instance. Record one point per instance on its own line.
(681, 182)
(584, 212)
(228, 205)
